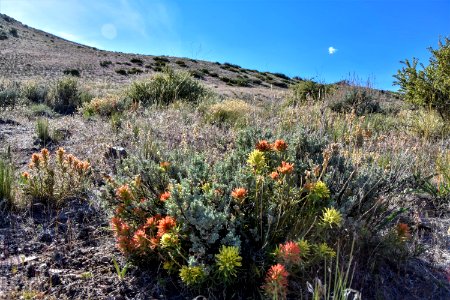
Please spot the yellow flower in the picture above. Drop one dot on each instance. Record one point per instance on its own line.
(319, 191)
(192, 275)
(331, 217)
(228, 260)
(256, 160)
(168, 240)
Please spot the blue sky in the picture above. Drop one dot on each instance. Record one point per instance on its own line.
(367, 38)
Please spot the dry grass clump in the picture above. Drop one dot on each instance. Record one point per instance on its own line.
(231, 111)
(106, 106)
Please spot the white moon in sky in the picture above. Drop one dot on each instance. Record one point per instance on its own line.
(109, 31)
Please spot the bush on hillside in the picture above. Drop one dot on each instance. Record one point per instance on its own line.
(165, 88)
(65, 96)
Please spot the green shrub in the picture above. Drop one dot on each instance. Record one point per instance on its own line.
(122, 72)
(3, 35)
(181, 63)
(13, 32)
(9, 93)
(356, 99)
(165, 88)
(133, 71)
(65, 96)
(6, 184)
(43, 131)
(105, 63)
(308, 90)
(137, 61)
(161, 59)
(72, 72)
(35, 92)
(41, 110)
(428, 87)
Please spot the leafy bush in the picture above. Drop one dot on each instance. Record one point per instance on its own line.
(9, 93)
(35, 92)
(137, 61)
(6, 184)
(3, 35)
(41, 110)
(308, 90)
(181, 63)
(133, 71)
(105, 63)
(231, 111)
(425, 123)
(358, 100)
(72, 72)
(165, 88)
(51, 179)
(122, 72)
(430, 86)
(65, 97)
(106, 106)
(13, 32)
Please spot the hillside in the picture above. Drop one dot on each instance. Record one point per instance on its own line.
(123, 179)
(30, 53)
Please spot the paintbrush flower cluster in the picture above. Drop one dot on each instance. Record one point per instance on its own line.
(53, 178)
(216, 224)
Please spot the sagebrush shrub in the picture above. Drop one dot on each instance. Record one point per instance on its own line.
(165, 88)
(43, 131)
(51, 179)
(35, 92)
(307, 90)
(65, 96)
(9, 93)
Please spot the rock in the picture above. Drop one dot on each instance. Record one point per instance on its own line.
(31, 271)
(116, 152)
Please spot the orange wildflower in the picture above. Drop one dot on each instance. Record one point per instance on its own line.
(276, 282)
(60, 154)
(263, 145)
(285, 168)
(289, 252)
(26, 175)
(164, 164)
(152, 221)
(140, 239)
(124, 193)
(239, 193)
(35, 159)
(274, 175)
(164, 196)
(165, 225)
(279, 145)
(45, 154)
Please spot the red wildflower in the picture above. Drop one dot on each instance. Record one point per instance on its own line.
(164, 196)
(279, 145)
(263, 145)
(165, 224)
(239, 193)
(152, 221)
(285, 168)
(140, 239)
(26, 175)
(274, 175)
(124, 193)
(289, 252)
(276, 282)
